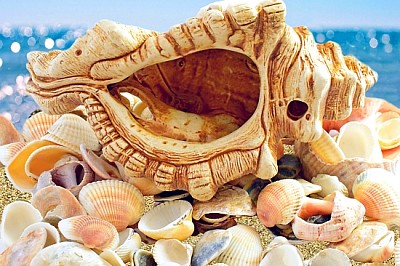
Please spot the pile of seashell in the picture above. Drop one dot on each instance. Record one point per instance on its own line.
(82, 213)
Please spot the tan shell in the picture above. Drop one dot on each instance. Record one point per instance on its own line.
(8, 151)
(379, 191)
(279, 201)
(71, 131)
(327, 149)
(346, 215)
(91, 231)
(329, 184)
(36, 126)
(251, 88)
(53, 235)
(308, 187)
(228, 200)
(8, 133)
(172, 252)
(171, 219)
(115, 201)
(112, 257)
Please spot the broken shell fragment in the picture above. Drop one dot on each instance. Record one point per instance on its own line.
(171, 219)
(143, 258)
(91, 231)
(53, 236)
(329, 184)
(112, 257)
(172, 252)
(117, 202)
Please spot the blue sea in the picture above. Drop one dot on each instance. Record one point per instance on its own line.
(380, 49)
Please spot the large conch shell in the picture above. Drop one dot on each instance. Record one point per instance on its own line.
(223, 88)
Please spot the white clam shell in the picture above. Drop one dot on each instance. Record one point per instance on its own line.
(68, 253)
(172, 252)
(379, 251)
(329, 257)
(329, 184)
(112, 257)
(281, 252)
(172, 219)
(129, 242)
(53, 235)
(309, 188)
(15, 218)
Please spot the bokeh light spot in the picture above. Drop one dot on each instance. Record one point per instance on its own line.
(49, 43)
(15, 47)
(373, 43)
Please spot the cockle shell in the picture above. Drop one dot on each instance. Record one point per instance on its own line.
(129, 242)
(53, 236)
(329, 257)
(210, 245)
(280, 252)
(229, 200)
(245, 248)
(8, 132)
(379, 191)
(363, 237)
(329, 184)
(91, 231)
(8, 151)
(357, 140)
(36, 126)
(24, 249)
(71, 131)
(279, 201)
(346, 215)
(251, 88)
(172, 252)
(171, 219)
(117, 202)
(389, 134)
(68, 253)
(15, 218)
(57, 202)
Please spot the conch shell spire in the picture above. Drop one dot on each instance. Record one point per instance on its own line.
(217, 93)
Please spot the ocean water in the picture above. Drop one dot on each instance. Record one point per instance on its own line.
(380, 49)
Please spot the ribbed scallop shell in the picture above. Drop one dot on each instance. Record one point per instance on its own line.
(172, 252)
(389, 134)
(329, 184)
(171, 219)
(71, 131)
(244, 249)
(15, 218)
(91, 231)
(8, 151)
(327, 149)
(117, 202)
(279, 201)
(379, 191)
(37, 125)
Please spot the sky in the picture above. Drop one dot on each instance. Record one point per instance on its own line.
(161, 14)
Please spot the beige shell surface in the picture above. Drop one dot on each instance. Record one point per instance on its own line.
(346, 214)
(280, 252)
(228, 200)
(329, 257)
(71, 131)
(389, 134)
(327, 149)
(233, 99)
(379, 191)
(36, 126)
(91, 231)
(117, 202)
(8, 151)
(380, 251)
(171, 219)
(279, 202)
(172, 252)
(129, 242)
(329, 184)
(8, 133)
(53, 235)
(112, 257)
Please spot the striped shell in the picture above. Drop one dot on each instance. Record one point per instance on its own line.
(8, 151)
(117, 202)
(327, 149)
(91, 231)
(379, 191)
(279, 201)
(71, 131)
(36, 126)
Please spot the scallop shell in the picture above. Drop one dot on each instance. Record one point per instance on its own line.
(245, 248)
(129, 242)
(389, 134)
(71, 131)
(57, 202)
(91, 231)
(8, 151)
(16, 217)
(143, 258)
(23, 251)
(327, 149)
(172, 252)
(210, 245)
(357, 140)
(68, 253)
(281, 252)
(379, 191)
(329, 257)
(364, 236)
(329, 184)
(171, 219)
(8, 132)
(112, 257)
(346, 214)
(53, 236)
(117, 202)
(279, 201)
(228, 200)
(37, 125)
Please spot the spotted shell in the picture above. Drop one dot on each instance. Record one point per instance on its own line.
(279, 201)
(117, 202)
(36, 126)
(91, 231)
